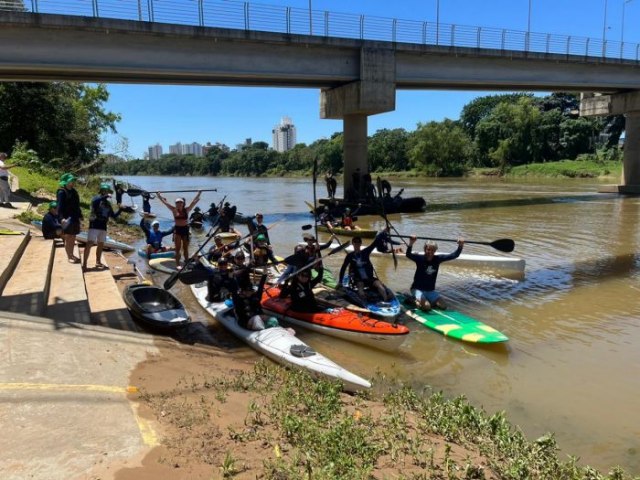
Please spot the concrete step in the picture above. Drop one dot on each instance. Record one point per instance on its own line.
(28, 288)
(12, 247)
(67, 300)
(106, 305)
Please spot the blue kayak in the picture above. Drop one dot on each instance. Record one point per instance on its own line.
(373, 303)
(142, 253)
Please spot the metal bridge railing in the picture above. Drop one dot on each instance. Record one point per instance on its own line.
(240, 15)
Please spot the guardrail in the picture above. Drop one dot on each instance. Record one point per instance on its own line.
(239, 15)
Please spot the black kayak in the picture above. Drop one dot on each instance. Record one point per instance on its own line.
(155, 307)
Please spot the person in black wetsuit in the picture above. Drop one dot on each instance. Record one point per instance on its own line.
(423, 287)
(301, 292)
(361, 269)
(246, 305)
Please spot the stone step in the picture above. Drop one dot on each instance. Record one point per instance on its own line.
(67, 300)
(12, 246)
(28, 288)
(106, 305)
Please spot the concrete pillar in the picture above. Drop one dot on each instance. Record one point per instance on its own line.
(355, 150)
(375, 92)
(631, 162)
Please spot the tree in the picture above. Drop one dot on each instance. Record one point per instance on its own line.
(13, 5)
(479, 108)
(58, 120)
(388, 150)
(440, 148)
(510, 134)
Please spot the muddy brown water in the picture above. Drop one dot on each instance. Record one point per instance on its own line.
(572, 364)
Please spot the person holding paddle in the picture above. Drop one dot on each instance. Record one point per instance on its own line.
(181, 217)
(423, 287)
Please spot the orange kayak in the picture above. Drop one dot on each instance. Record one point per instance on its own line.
(338, 322)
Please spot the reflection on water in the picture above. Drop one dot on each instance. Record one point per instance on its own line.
(571, 365)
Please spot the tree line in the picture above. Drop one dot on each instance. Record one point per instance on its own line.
(60, 125)
(495, 131)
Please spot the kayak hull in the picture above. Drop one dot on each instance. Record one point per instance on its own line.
(142, 253)
(455, 325)
(276, 343)
(508, 266)
(339, 323)
(155, 307)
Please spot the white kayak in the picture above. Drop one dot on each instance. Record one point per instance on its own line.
(508, 266)
(280, 345)
(110, 243)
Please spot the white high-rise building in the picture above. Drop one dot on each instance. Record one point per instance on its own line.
(155, 152)
(284, 135)
(186, 149)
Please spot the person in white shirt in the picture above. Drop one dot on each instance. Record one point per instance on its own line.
(5, 188)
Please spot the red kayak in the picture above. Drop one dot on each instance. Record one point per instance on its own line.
(338, 322)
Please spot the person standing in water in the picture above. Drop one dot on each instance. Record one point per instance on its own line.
(181, 218)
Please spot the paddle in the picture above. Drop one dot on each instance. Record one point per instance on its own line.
(504, 244)
(386, 220)
(173, 278)
(315, 205)
(310, 264)
(134, 192)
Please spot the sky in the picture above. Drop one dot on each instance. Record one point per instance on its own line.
(168, 114)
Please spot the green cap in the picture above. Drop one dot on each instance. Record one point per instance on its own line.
(53, 204)
(66, 178)
(105, 186)
(261, 238)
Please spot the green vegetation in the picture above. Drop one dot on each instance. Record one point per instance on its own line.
(499, 133)
(295, 428)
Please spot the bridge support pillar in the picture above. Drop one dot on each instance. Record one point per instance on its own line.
(631, 161)
(375, 92)
(619, 104)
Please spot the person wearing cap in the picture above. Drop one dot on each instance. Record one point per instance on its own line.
(99, 214)
(313, 250)
(300, 289)
(262, 252)
(196, 218)
(221, 282)
(51, 227)
(5, 188)
(154, 236)
(361, 272)
(325, 218)
(213, 212)
(218, 250)
(69, 213)
(181, 218)
(347, 220)
(248, 310)
(257, 227)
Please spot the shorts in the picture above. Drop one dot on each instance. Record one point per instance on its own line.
(96, 236)
(432, 296)
(182, 231)
(71, 228)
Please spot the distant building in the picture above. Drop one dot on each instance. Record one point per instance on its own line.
(186, 149)
(284, 135)
(155, 152)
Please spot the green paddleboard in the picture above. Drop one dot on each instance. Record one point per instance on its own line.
(454, 324)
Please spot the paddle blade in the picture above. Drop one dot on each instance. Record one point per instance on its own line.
(338, 248)
(504, 245)
(171, 280)
(307, 227)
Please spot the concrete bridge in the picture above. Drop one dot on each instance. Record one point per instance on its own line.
(356, 77)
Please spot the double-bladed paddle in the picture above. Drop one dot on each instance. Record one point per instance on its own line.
(386, 220)
(134, 192)
(173, 278)
(503, 244)
(310, 264)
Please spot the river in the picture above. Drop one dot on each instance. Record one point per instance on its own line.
(571, 365)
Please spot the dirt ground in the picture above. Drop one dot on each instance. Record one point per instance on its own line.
(193, 444)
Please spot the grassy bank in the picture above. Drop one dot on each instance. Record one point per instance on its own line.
(279, 424)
